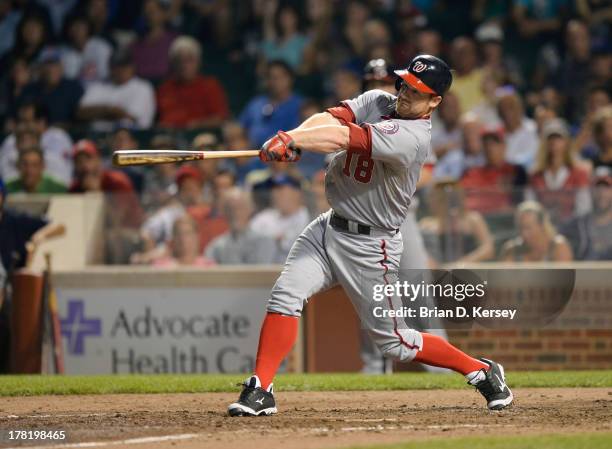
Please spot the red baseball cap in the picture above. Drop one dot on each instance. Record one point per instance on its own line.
(85, 146)
(495, 132)
(187, 171)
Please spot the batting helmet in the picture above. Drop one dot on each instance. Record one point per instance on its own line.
(377, 69)
(426, 74)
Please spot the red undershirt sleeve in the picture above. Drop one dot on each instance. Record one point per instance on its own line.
(360, 139)
(342, 112)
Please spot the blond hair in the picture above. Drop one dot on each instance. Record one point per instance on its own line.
(541, 214)
(185, 44)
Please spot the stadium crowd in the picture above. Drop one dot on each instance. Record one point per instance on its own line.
(521, 146)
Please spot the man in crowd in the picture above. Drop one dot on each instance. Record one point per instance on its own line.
(180, 98)
(32, 177)
(56, 144)
(287, 217)
(125, 101)
(498, 185)
(519, 130)
(91, 176)
(278, 109)
(60, 96)
(241, 244)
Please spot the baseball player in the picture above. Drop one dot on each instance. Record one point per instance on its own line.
(380, 142)
(378, 75)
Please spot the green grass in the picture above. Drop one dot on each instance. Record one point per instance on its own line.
(38, 385)
(576, 441)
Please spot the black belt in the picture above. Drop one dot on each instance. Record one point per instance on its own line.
(344, 224)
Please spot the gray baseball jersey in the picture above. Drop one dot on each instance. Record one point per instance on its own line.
(373, 188)
(377, 190)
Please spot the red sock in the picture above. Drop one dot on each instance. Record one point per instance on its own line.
(438, 352)
(277, 336)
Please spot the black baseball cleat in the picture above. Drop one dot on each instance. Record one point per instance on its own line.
(492, 385)
(254, 400)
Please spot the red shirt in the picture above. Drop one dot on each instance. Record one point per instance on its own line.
(126, 207)
(210, 224)
(562, 201)
(181, 103)
(490, 189)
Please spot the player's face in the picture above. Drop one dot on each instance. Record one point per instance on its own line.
(413, 104)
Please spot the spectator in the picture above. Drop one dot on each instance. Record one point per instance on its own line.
(10, 15)
(32, 35)
(12, 87)
(86, 57)
(188, 99)
(598, 98)
(502, 69)
(22, 234)
(90, 176)
(520, 131)
(428, 42)
(534, 18)
(58, 10)
(452, 233)
(278, 109)
(183, 248)
(158, 228)
(287, 217)
(241, 244)
(538, 240)
(158, 184)
(126, 101)
(469, 153)
(467, 78)
(283, 39)
(446, 131)
(55, 143)
(575, 72)
(98, 15)
(601, 153)
(60, 96)
(347, 85)
(32, 177)
(591, 234)
(558, 183)
(498, 185)
(151, 52)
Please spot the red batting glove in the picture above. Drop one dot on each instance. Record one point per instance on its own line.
(280, 148)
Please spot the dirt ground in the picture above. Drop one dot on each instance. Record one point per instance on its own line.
(305, 420)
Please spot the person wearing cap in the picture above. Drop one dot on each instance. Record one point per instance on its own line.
(157, 229)
(124, 101)
(33, 120)
(558, 182)
(286, 218)
(59, 95)
(32, 177)
(91, 176)
(591, 234)
(497, 186)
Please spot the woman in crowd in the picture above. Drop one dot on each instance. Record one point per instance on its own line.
(558, 183)
(452, 233)
(538, 240)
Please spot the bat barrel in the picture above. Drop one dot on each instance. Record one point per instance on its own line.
(146, 157)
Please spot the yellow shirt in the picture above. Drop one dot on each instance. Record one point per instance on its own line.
(468, 89)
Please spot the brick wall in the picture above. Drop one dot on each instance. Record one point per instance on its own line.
(539, 349)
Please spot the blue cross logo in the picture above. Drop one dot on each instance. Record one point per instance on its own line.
(75, 327)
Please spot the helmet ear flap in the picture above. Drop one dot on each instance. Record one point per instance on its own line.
(398, 83)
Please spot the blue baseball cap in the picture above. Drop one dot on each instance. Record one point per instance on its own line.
(278, 180)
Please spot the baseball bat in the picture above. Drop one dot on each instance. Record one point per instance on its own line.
(124, 158)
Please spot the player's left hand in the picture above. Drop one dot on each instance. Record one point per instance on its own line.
(280, 148)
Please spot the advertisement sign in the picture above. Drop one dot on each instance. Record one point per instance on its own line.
(160, 330)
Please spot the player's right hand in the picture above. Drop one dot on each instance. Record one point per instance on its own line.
(280, 148)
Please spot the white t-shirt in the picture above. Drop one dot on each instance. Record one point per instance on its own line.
(56, 145)
(283, 229)
(136, 97)
(89, 65)
(522, 144)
